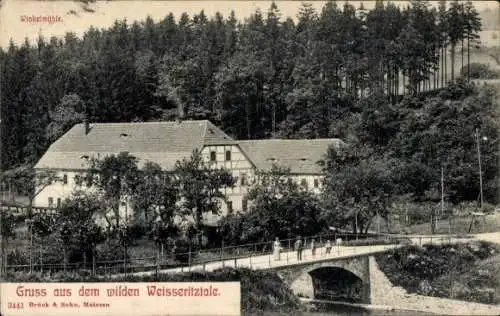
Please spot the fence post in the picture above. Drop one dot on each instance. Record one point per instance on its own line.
(156, 267)
(235, 266)
(420, 241)
(251, 254)
(320, 246)
(41, 258)
(157, 261)
(222, 253)
(305, 246)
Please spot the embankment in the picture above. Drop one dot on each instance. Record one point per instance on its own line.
(459, 279)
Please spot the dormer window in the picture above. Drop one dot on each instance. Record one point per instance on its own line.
(303, 159)
(228, 155)
(271, 159)
(213, 156)
(124, 135)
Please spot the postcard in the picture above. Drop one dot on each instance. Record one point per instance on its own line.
(249, 158)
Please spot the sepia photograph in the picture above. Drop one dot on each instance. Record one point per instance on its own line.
(266, 158)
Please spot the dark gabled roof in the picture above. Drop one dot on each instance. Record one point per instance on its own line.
(300, 155)
(160, 142)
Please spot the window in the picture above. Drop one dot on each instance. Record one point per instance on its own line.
(244, 205)
(229, 207)
(58, 202)
(316, 183)
(78, 179)
(51, 201)
(65, 179)
(243, 179)
(303, 183)
(213, 156)
(228, 155)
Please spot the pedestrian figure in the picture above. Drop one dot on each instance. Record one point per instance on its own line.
(338, 241)
(328, 246)
(313, 248)
(298, 248)
(277, 249)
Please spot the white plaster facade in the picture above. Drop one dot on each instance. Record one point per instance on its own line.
(238, 164)
(219, 151)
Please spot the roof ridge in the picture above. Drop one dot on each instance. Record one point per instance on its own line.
(288, 139)
(147, 122)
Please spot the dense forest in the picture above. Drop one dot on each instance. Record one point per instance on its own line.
(347, 72)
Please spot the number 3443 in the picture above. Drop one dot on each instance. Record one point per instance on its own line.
(12, 305)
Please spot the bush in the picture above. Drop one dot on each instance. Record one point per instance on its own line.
(468, 207)
(52, 252)
(479, 71)
(181, 249)
(17, 257)
(433, 269)
(421, 213)
(137, 231)
(110, 251)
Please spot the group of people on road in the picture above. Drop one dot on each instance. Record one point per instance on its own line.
(299, 246)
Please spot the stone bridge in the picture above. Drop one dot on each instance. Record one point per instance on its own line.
(345, 279)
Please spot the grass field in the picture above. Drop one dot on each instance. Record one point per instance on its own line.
(457, 225)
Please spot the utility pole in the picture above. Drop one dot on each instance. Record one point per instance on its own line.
(442, 190)
(480, 169)
(442, 200)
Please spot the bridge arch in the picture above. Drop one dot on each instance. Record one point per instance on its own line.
(337, 284)
(346, 279)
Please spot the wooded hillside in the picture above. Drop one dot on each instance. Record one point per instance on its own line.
(341, 72)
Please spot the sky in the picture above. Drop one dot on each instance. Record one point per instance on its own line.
(72, 17)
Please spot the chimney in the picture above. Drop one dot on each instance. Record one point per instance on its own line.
(86, 125)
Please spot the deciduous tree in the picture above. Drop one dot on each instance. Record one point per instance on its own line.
(200, 188)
